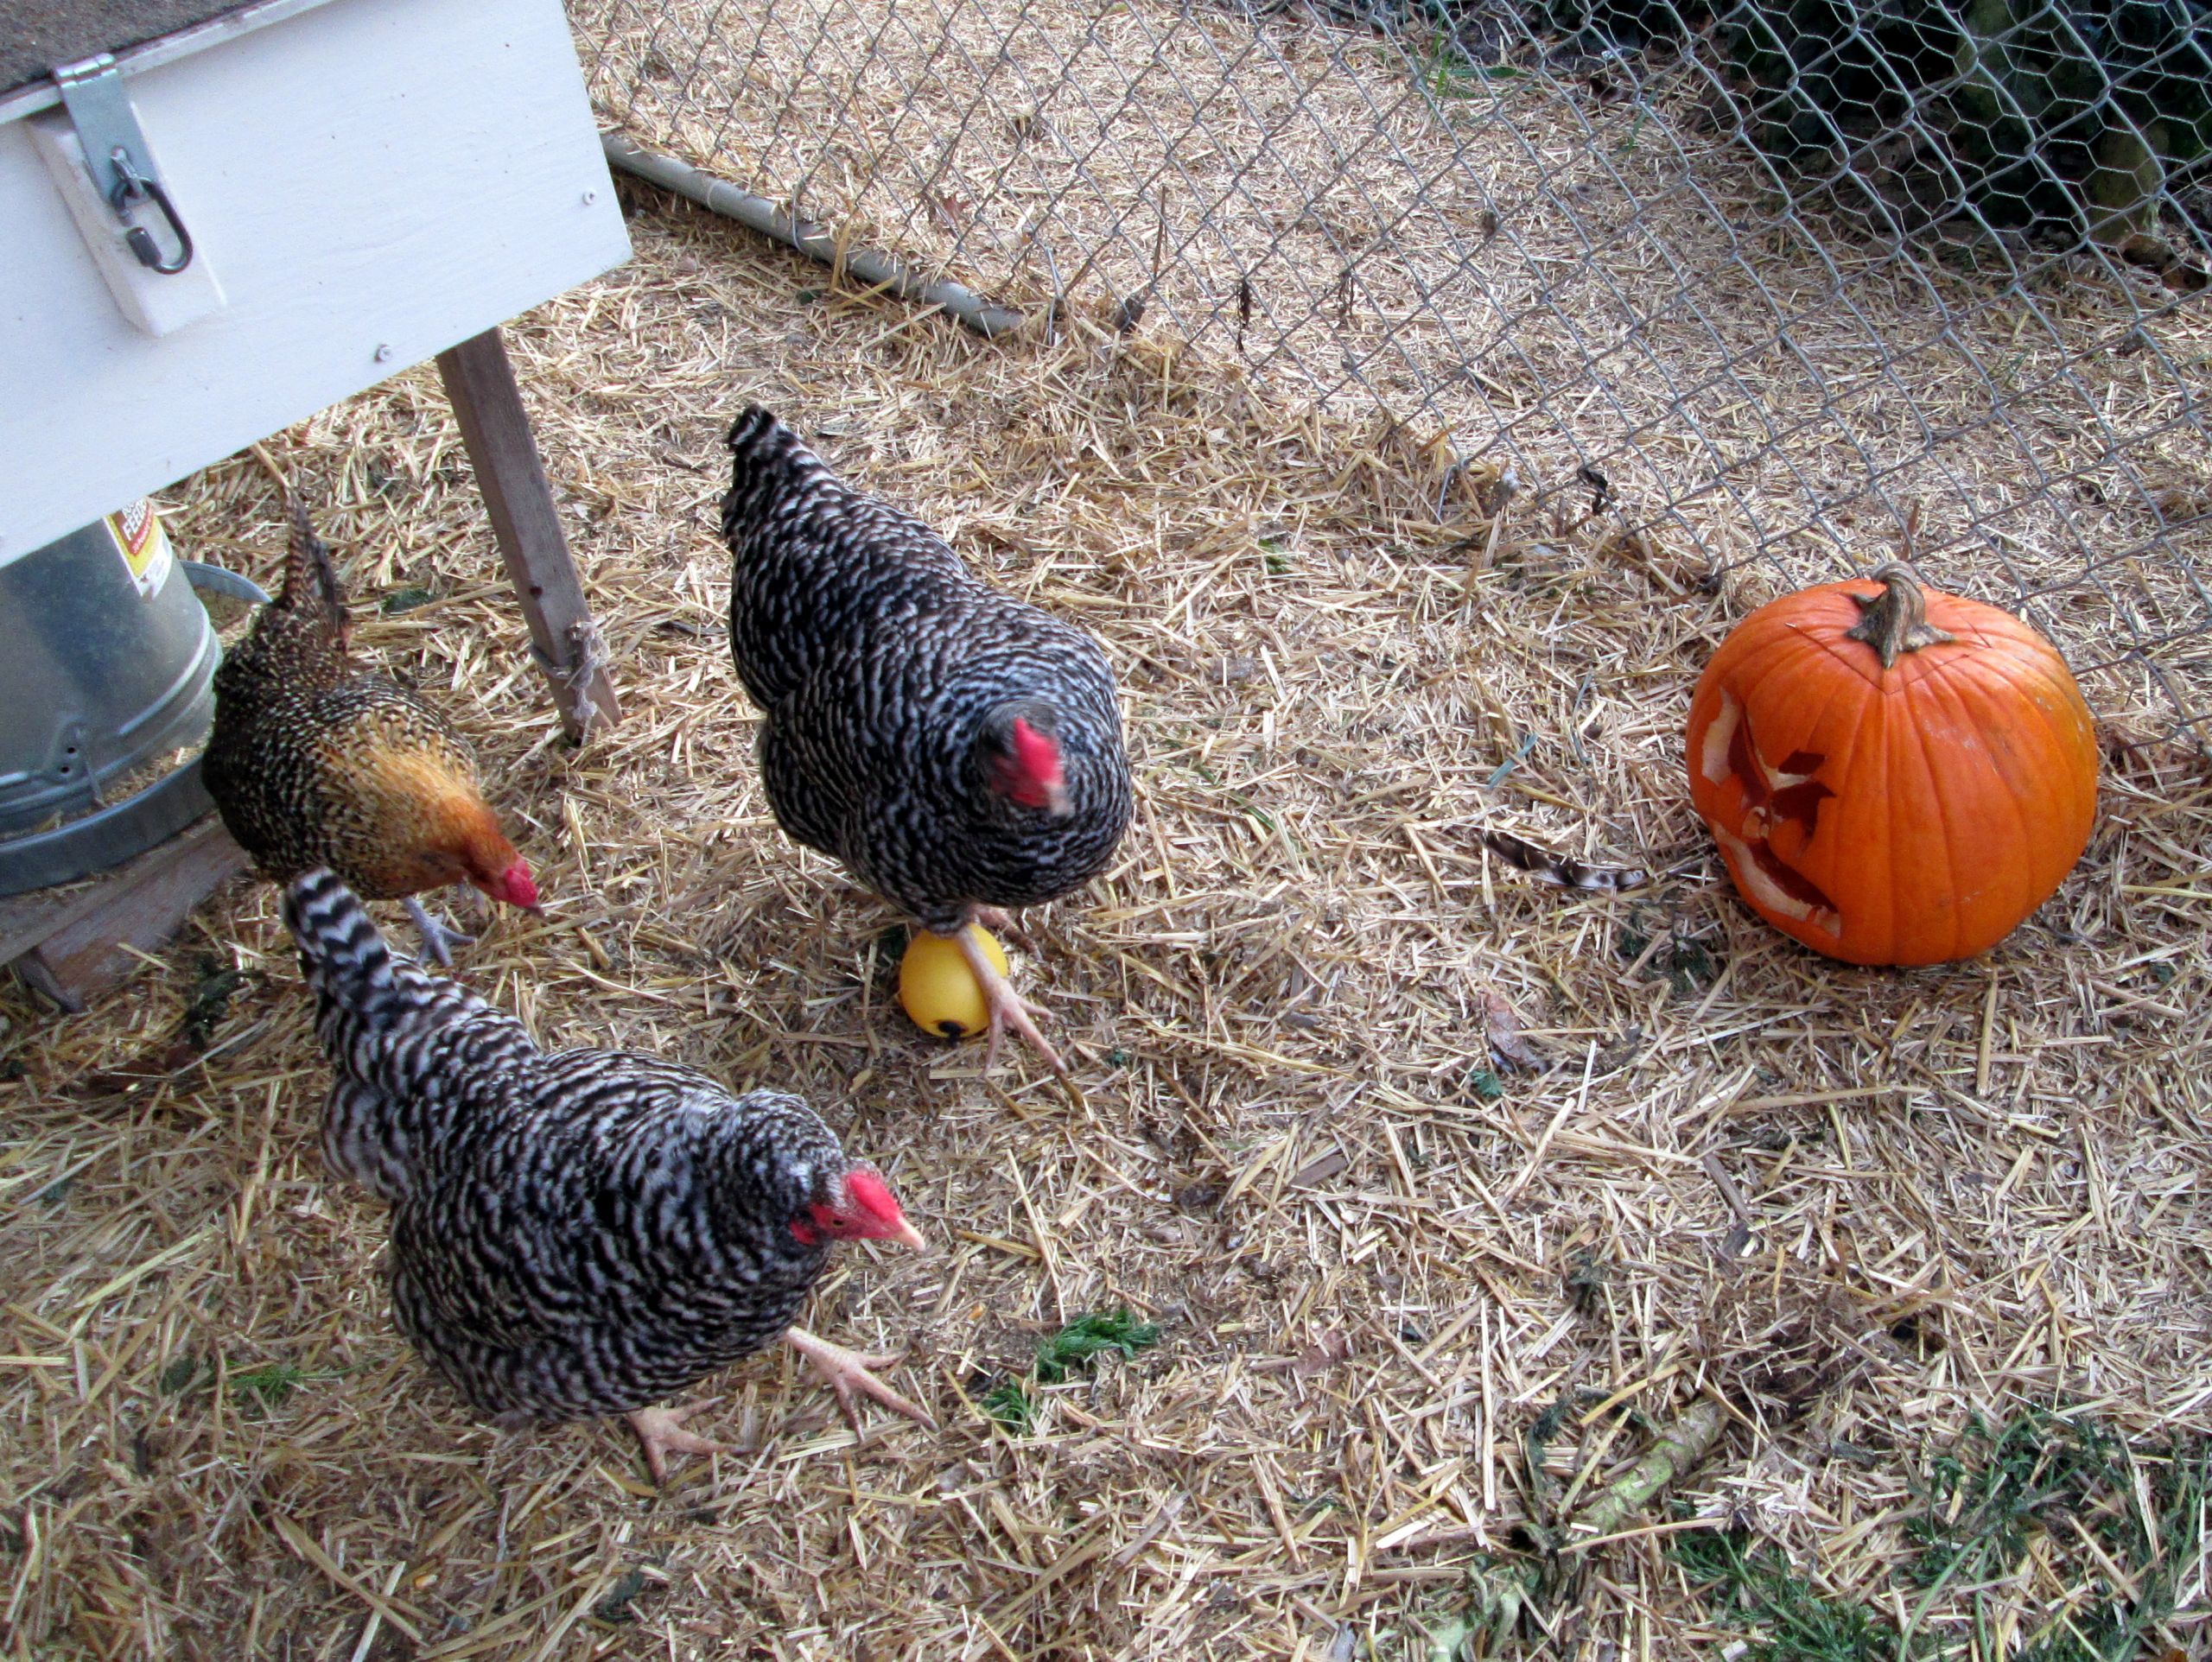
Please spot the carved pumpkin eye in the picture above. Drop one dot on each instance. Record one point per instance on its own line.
(1895, 776)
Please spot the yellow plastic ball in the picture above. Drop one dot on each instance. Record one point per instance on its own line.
(937, 989)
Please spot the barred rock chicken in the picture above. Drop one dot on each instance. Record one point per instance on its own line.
(958, 750)
(316, 761)
(579, 1233)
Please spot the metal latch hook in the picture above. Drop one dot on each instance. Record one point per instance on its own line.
(131, 186)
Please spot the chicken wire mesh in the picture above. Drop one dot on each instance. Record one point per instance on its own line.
(1759, 284)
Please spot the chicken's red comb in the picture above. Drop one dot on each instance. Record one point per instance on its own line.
(1037, 753)
(872, 1197)
(872, 1210)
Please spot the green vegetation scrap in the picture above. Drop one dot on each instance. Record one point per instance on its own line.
(271, 1385)
(1687, 966)
(265, 1386)
(1074, 1347)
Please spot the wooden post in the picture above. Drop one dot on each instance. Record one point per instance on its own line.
(481, 382)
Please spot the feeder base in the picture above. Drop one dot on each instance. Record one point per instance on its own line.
(74, 945)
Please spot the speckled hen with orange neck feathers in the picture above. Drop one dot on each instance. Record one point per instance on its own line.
(314, 760)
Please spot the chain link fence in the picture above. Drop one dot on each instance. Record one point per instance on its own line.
(1760, 279)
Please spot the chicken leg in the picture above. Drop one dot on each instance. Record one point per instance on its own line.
(848, 1371)
(1007, 1007)
(661, 1430)
(440, 935)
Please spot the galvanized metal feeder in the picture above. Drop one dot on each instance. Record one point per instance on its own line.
(220, 220)
(108, 669)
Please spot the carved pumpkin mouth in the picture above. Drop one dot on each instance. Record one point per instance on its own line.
(1783, 801)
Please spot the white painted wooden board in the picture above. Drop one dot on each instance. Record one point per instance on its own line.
(159, 302)
(376, 180)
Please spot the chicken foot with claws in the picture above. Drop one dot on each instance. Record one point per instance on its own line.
(1007, 1007)
(849, 1372)
(440, 935)
(661, 1430)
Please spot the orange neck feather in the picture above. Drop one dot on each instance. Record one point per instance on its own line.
(429, 816)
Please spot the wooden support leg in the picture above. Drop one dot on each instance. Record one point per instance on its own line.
(481, 382)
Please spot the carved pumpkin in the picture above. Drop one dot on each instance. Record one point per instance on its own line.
(1895, 776)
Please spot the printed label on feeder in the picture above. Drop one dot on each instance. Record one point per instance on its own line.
(144, 544)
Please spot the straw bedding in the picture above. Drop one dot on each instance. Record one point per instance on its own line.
(1857, 1207)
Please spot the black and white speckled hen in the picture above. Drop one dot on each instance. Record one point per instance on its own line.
(576, 1233)
(958, 750)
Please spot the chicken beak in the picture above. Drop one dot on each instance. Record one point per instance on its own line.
(1056, 800)
(906, 1235)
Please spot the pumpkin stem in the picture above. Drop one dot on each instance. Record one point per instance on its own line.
(1896, 621)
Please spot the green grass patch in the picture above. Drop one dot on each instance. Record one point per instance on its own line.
(1687, 966)
(401, 601)
(180, 1373)
(1446, 71)
(2098, 1505)
(2075, 1482)
(1010, 1405)
(613, 1609)
(1786, 1618)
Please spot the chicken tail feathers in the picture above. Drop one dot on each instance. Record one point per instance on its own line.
(311, 588)
(342, 954)
(414, 1056)
(767, 460)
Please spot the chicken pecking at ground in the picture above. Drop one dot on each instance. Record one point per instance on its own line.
(313, 760)
(958, 750)
(579, 1233)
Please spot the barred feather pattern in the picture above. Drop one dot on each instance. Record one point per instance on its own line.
(294, 717)
(877, 659)
(573, 1233)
